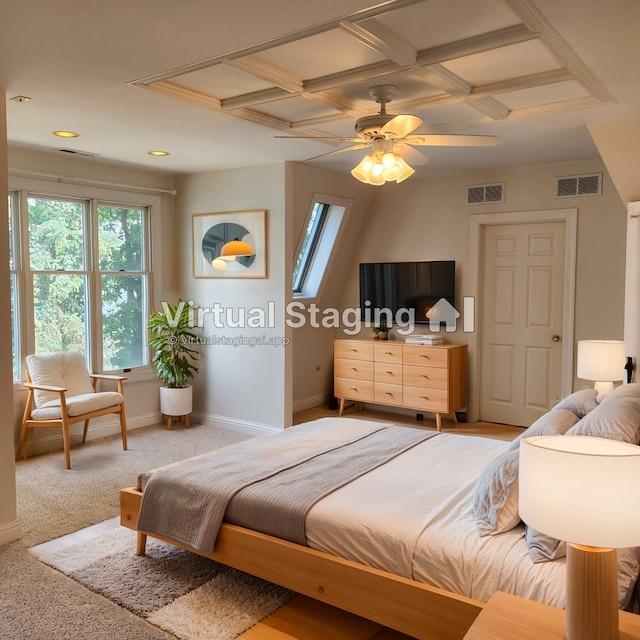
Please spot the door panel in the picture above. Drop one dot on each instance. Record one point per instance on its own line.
(521, 310)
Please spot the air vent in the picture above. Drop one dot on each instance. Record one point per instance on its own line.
(484, 193)
(75, 152)
(584, 185)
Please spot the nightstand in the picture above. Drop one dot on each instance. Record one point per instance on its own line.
(507, 617)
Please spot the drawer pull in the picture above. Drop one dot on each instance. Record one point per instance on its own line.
(424, 397)
(424, 355)
(354, 388)
(354, 350)
(354, 368)
(388, 353)
(424, 375)
(388, 393)
(389, 372)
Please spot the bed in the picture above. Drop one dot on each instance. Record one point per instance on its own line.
(406, 543)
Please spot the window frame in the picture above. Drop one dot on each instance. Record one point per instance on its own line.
(21, 188)
(320, 250)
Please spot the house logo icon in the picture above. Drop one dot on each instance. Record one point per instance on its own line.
(442, 312)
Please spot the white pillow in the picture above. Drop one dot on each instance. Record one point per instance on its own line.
(552, 423)
(495, 495)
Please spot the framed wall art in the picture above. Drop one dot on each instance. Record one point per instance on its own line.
(231, 244)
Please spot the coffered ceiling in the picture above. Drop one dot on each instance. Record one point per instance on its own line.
(219, 88)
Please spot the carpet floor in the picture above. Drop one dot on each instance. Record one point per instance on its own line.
(188, 596)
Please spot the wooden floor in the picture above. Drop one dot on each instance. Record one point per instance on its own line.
(303, 618)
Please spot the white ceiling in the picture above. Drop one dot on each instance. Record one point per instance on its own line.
(213, 82)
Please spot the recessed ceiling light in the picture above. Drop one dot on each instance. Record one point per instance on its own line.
(158, 153)
(65, 134)
(20, 98)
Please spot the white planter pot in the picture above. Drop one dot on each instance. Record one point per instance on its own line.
(176, 402)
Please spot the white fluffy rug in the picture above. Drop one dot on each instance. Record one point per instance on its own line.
(189, 596)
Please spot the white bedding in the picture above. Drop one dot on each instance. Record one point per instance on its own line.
(414, 519)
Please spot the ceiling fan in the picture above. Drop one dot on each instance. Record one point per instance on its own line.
(392, 138)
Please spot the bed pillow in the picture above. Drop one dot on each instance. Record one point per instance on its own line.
(552, 423)
(616, 420)
(622, 391)
(495, 495)
(580, 402)
(544, 548)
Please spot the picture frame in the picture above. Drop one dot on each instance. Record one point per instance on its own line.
(211, 231)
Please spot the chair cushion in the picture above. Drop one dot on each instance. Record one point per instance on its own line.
(79, 405)
(65, 369)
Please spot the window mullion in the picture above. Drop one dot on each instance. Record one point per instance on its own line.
(94, 305)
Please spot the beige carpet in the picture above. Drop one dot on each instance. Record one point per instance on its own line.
(38, 602)
(187, 595)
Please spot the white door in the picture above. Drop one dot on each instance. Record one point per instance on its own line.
(522, 303)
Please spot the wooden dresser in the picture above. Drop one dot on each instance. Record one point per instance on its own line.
(424, 378)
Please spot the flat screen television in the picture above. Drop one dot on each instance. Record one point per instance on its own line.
(415, 286)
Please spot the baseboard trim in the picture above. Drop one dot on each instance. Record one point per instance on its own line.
(310, 403)
(10, 532)
(111, 427)
(242, 426)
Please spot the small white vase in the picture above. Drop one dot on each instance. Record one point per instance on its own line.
(176, 402)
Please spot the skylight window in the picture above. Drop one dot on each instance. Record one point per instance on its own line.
(316, 246)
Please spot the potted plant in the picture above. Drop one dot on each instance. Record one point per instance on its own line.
(172, 340)
(381, 331)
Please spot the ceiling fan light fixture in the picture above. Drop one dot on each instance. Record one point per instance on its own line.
(380, 167)
(236, 248)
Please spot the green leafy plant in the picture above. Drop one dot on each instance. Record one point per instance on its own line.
(381, 327)
(172, 339)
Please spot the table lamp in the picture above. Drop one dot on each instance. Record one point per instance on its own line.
(584, 490)
(601, 361)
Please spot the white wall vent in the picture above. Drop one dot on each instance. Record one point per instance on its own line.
(484, 193)
(583, 185)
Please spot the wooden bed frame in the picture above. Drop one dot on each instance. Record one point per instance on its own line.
(410, 607)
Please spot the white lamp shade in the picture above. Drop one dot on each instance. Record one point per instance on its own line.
(601, 360)
(581, 489)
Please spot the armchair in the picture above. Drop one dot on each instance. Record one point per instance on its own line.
(62, 392)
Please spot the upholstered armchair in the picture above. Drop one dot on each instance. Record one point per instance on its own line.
(62, 392)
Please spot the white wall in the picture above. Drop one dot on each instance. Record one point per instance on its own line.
(428, 219)
(241, 386)
(9, 527)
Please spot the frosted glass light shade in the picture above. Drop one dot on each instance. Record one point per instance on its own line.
(581, 489)
(601, 360)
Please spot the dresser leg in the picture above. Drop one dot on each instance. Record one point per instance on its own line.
(438, 422)
(341, 406)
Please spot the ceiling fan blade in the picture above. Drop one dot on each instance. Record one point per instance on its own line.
(340, 138)
(354, 147)
(452, 140)
(401, 126)
(410, 155)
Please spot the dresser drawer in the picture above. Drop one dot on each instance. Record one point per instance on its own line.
(430, 377)
(388, 393)
(386, 372)
(357, 369)
(425, 356)
(427, 399)
(353, 350)
(361, 390)
(385, 352)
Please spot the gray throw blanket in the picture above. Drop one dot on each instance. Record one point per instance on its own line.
(187, 501)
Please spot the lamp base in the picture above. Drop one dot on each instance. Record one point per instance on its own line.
(603, 388)
(592, 593)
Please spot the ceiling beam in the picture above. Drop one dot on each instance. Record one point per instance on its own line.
(385, 41)
(259, 69)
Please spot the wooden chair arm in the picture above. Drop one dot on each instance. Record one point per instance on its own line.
(43, 387)
(105, 376)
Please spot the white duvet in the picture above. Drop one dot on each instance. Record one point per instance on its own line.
(412, 517)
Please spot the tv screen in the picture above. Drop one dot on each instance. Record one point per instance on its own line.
(415, 286)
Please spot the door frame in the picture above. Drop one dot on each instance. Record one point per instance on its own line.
(477, 223)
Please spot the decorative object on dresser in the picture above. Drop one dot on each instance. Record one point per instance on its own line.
(412, 376)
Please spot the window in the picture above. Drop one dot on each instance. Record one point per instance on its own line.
(82, 283)
(316, 246)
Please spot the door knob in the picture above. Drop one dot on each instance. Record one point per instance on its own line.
(555, 338)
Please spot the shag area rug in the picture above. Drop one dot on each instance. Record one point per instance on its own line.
(187, 595)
